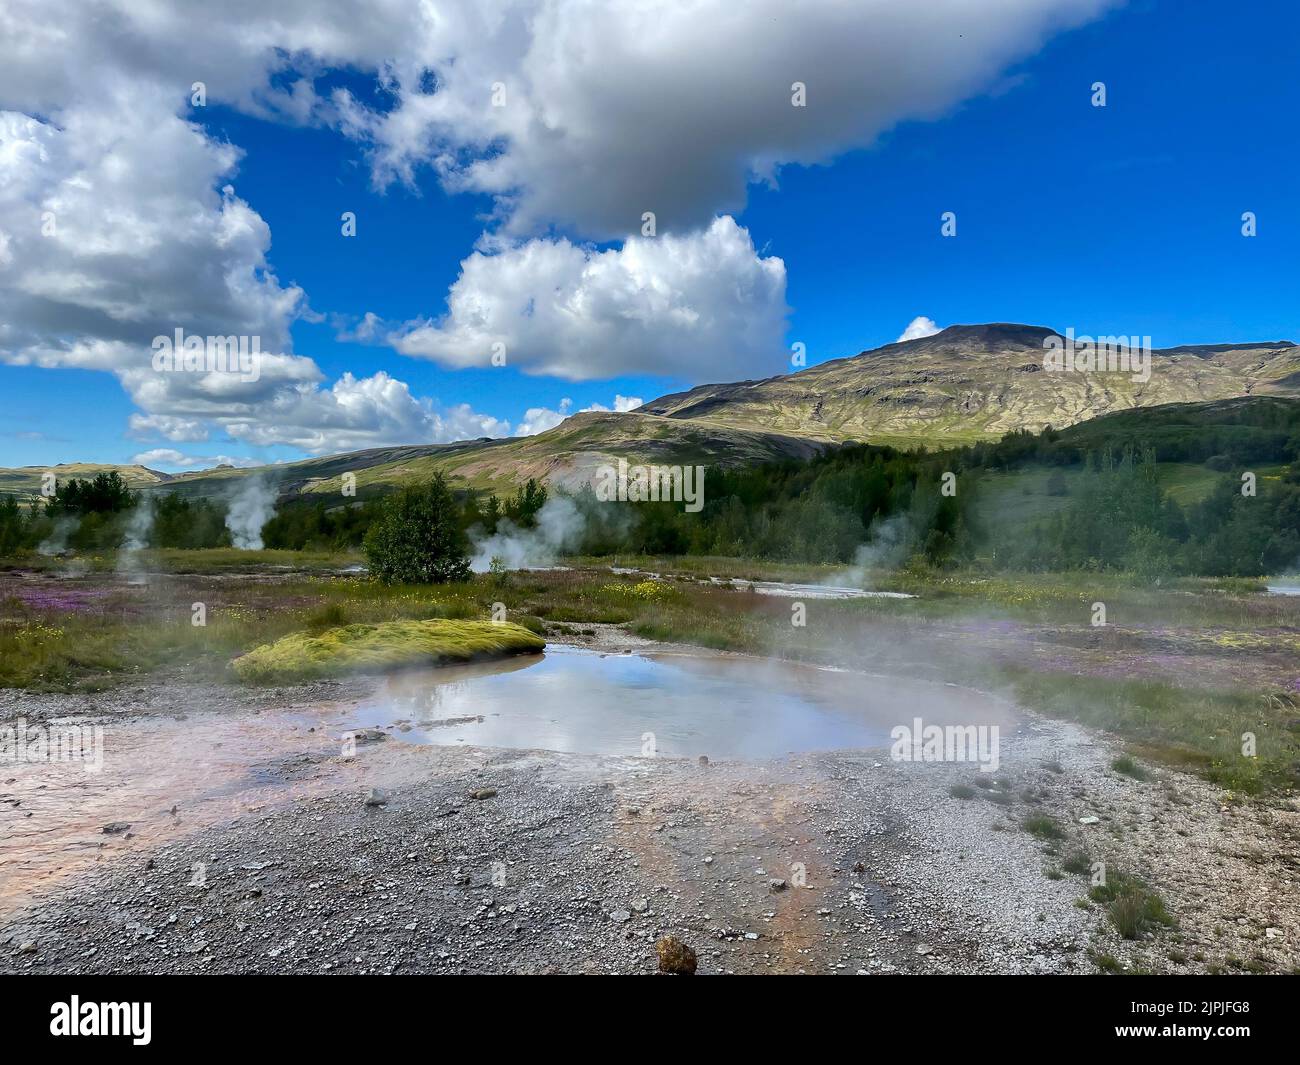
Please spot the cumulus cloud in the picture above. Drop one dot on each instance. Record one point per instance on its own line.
(664, 305)
(120, 219)
(622, 404)
(604, 111)
(177, 460)
(917, 328)
(119, 226)
(540, 419)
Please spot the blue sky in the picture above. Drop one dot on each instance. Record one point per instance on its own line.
(1122, 219)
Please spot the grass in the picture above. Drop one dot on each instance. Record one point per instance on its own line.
(1192, 728)
(1133, 908)
(1077, 861)
(962, 791)
(1043, 826)
(382, 647)
(1125, 765)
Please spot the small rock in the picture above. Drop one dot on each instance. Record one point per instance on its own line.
(1089, 820)
(377, 797)
(113, 828)
(924, 948)
(776, 884)
(621, 916)
(704, 759)
(482, 793)
(640, 905)
(675, 956)
(27, 948)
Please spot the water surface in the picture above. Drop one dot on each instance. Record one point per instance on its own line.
(575, 700)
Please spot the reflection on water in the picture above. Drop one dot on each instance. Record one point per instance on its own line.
(1284, 589)
(809, 591)
(164, 777)
(577, 700)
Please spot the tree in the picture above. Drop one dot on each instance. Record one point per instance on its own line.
(417, 538)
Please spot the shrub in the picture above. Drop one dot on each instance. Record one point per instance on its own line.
(417, 538)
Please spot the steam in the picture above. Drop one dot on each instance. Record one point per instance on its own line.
(560, 528)
(57, 542)
(887, 544)
(137, 538)
(252, 506)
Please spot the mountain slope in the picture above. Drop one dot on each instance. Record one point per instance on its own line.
(969, 383)
(569, 453)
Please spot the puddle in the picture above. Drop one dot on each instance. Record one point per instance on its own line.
(1284, 589)
(581, 701)
(788, 589)
(212, 767)
(808, 591)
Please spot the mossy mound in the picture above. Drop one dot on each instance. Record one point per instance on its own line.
(379, 648)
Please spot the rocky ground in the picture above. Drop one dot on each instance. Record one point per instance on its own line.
(487, 861)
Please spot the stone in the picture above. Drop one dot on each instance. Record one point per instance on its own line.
(675, 957)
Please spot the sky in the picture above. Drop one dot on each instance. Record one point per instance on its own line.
(499, 159)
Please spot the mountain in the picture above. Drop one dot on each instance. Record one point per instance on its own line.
(974, 382)
(963, 384)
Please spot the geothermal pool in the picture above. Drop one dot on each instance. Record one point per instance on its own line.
(164, 776)
(575, 700)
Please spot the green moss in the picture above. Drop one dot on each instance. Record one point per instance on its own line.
(386, 646)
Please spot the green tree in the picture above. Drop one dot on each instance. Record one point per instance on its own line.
(417, 538)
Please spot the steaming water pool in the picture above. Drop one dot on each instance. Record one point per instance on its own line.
(169, 775)
(575, 700)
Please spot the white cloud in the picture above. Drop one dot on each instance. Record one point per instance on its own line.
(178, 430)
(917, 328)
(540, 419)
(622, 404)
(688, 306)
(622, 107)
(357, 413)
(119, 226)
(178, 460)
(610, 110)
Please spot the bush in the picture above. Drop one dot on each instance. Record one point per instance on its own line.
(417, 538)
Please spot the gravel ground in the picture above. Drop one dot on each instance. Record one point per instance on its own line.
(845, 862)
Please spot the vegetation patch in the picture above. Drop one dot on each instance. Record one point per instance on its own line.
(1042, 826)
(379, 648)
(1124, 764)
(1134, 908)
